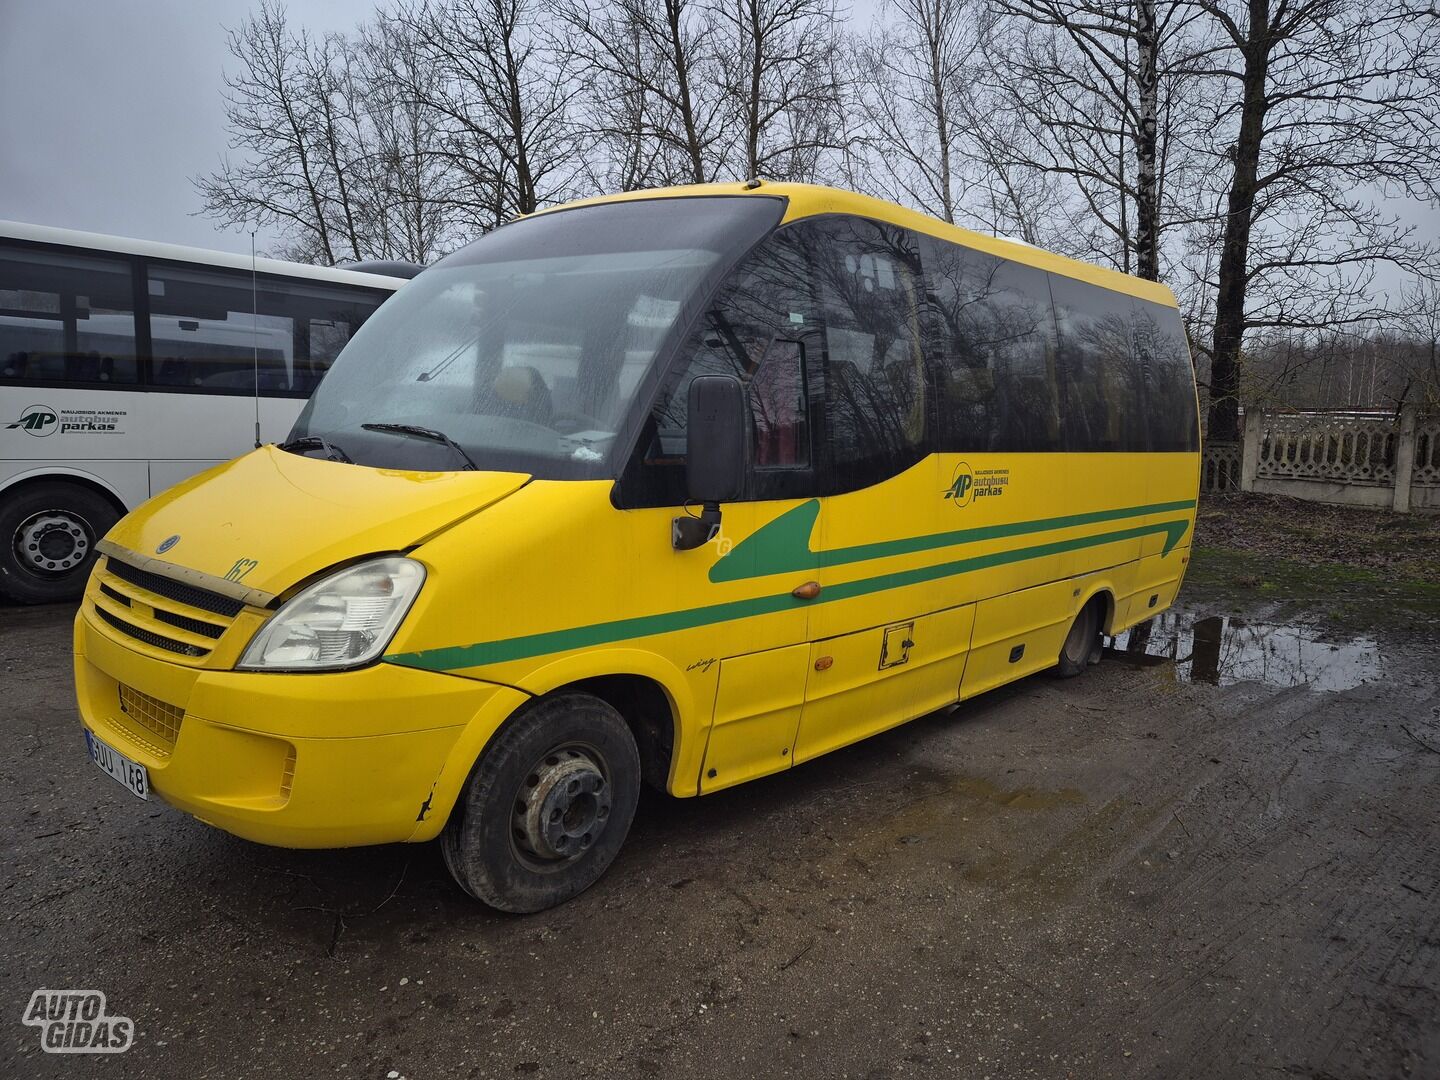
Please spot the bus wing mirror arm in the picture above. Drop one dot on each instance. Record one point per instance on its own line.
(714, 458)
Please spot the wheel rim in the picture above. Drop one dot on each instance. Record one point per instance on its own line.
(1077, 642)
(52, 542)
(562, 807)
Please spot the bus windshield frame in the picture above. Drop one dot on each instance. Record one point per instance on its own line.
(539, 347)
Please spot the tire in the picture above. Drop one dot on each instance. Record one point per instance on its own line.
(1082, 644)
(48, 533)
(572, 755)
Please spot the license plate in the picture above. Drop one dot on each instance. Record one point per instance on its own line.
(118, 767)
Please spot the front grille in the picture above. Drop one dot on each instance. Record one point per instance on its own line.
(149, 637)
(119, 598)
(179, 591)
(184, 622)
(153, 723)
(181, 619)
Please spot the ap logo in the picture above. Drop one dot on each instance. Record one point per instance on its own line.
(962, 487)
(37, 420)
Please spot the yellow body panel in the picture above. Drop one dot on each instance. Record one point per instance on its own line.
(533, 585)
(316, 513)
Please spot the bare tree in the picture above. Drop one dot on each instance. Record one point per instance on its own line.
(502, 100)
(781, 73)
(1422, 326)
(1098, 95)
(325, 148)
(661, 58)
(276, 175)
(617, 113)
(910, 79)
(405, 181)
(1327, 103)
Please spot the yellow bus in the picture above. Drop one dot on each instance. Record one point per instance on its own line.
(684, 487)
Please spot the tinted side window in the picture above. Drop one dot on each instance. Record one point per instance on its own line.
(1102, 381)
(994, 352)
(876, 393)
(66, 318)
(760, 328)
(207, 329)
(1158, 341)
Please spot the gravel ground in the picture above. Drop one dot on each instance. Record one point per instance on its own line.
(1135, 873)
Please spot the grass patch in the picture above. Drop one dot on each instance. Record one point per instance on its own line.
(1355, 596)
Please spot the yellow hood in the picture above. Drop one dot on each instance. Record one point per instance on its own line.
(270, 519)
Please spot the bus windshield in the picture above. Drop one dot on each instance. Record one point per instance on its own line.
(527, 349)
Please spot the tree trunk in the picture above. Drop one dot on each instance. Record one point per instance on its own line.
(1224, 414)
(674, 12)
(934, 30)
(525, 200)
(1147, 194)
(752, 118)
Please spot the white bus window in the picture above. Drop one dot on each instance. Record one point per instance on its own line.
(218, 331)
(65, 318)
(204, 334)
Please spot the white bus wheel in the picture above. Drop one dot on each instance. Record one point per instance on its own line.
(48, 533)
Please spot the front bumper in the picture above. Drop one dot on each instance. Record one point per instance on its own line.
(306, 761)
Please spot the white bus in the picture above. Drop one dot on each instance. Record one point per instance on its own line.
(127, 366)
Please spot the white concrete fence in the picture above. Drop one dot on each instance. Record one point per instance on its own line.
(1373, 459)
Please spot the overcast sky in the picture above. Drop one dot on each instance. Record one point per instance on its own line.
(108, 107)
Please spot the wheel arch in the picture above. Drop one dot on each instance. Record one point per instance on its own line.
(649, 692)
(1101, 593)
(64, 474)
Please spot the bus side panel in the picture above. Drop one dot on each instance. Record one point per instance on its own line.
(1018, 634)
(120, 429)
(567, 580)
(126, 481)
(757, 711)
(1173, 478)
(1157, 580)
(863, 683)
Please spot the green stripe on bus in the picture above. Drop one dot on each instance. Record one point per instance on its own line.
(456, 657)
(782, 546)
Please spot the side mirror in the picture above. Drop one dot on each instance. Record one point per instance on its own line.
(715, 455)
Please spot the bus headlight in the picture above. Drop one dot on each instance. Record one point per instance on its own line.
(341, 621)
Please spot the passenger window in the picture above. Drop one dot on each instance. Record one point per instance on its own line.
(1102, 382)
(210, 330)
(993, 352)
(761, 329)
(876, 401)
(1158, 339)
(65, 318)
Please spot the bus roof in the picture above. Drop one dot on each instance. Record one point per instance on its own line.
(809, 200)
(49, 234)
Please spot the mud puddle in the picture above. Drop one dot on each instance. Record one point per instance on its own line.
(1225, 649)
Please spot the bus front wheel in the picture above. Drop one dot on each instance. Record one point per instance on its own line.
(48, 533)
(547, 806)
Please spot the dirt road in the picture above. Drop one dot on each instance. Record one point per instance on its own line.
(1130, 874)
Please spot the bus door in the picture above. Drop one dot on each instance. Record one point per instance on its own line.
(760, 330)
(888, 639)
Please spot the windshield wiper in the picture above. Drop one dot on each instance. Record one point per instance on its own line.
(316, 442)
(425, 433)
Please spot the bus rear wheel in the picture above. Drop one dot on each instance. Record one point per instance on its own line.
(1082, 644)
(547, 807)
(48, 533)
